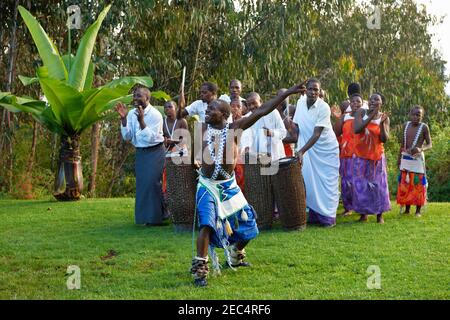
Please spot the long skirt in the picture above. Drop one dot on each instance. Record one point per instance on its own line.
(364, 185)
(346, 173)
(149, 167)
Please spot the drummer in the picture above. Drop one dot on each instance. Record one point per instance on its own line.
(217, 185)
(175, 146)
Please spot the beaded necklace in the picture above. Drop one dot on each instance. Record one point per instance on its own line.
(222, 136)
(416, 138)
(173, 128)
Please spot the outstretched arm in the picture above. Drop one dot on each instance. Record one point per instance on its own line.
(181, 112)
(266, 108)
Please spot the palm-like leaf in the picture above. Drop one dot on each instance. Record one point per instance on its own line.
(17, 104)
(73, 104)
(99, 100)
(79, 70)
(26, 81)
(47, 49)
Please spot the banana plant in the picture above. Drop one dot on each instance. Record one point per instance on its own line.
(73, 104)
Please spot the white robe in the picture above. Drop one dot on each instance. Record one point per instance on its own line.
(263, 144)
(321, 162)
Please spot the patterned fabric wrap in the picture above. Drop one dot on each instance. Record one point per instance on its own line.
(288, 149)
(347, 141)
(368, 144)
(346, 173)
(364, 185)
(242, 222)
(412, 189)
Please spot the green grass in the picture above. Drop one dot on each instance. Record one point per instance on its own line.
(40, 239)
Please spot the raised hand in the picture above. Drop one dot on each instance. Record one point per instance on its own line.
(336, 111)
(140, 114)
(297, 88)
(121, 110)
(384, 116)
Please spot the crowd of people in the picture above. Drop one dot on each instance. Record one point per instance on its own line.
(341, 150)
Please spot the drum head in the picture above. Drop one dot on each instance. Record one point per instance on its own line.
(286, 161)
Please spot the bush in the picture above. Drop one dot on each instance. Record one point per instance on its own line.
(438, 164)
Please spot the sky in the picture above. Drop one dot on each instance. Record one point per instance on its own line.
(441, 38)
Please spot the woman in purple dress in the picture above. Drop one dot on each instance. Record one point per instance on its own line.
(370, 186)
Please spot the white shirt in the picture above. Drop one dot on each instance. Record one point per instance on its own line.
(198, 107)
(227, 98)
(151, 135)
(265, 144)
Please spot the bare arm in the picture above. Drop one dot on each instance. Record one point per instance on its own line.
(385, 127)
(359, 124)
(292, 132)
(182, 113)
(265, 109)
(337, 127)
(428, 144)
(315, 136)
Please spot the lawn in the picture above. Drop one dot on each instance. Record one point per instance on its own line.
(40, 239)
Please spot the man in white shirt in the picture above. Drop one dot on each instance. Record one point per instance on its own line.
(208, 93)
(235, 92)
(268, 132)
(143, 126)
(318, 147)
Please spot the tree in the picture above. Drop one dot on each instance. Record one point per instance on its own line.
(73, 105)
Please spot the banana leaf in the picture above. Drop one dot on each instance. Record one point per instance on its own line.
(47, 49)
(90, 72)
(16, 104)
(79, 71)
(160, 95)
(128, 82)
(26, 81)
(65, 102)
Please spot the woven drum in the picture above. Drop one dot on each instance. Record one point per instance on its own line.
(258, 192)
(289, 193)
(181, 189)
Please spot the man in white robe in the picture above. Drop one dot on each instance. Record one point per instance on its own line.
(318, 146)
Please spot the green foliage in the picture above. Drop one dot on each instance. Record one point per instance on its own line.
(267, 45)
(47, 50)
(74, 106)
(438, 164)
